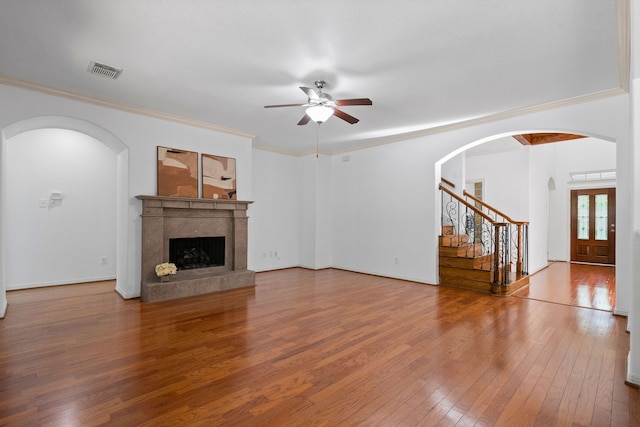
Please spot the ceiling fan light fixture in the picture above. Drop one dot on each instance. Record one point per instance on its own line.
(319, 113)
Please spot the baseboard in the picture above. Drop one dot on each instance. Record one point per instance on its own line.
(623, 313)
(398, 277)
(370, 273)
(125, 295)
(531, 273)
(3, 309)
(632, 380)
(263, 270)
(309, 267)
(58, 283)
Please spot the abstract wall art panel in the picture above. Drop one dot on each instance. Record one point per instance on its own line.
(218, 177)
(177, 173)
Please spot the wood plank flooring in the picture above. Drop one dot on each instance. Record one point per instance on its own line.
(309, 348)
(582, 285)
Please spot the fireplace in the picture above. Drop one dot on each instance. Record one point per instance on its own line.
(196, 252)
(205, 238)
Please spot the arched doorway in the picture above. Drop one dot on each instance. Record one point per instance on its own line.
(536, 181)
(122, 180)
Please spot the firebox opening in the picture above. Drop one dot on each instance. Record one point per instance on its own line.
(196, 252)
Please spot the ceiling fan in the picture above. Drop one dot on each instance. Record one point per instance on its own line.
(321, 106)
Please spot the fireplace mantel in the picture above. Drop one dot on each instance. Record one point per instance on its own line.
(165, 218)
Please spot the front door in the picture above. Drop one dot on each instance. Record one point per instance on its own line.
(593, 225)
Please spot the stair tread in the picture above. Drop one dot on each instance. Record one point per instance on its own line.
(467, 250)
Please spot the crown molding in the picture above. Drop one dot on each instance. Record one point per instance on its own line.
(290, 152)
(487, 119)
(624, 71)
(23, 84)
(457, 125)
(275, 149)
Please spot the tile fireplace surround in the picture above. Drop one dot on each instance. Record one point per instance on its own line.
(165, 218)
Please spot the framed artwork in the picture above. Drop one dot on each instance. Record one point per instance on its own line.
(177, 172)
(218, 177)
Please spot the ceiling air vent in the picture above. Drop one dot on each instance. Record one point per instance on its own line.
(104, 70)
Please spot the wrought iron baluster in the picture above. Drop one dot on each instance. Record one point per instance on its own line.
(494, 233)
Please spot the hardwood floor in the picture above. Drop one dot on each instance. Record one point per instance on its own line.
(311, 348)
(582, 285)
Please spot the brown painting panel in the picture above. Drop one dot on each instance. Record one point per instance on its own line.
(218, 177)
(177, 173)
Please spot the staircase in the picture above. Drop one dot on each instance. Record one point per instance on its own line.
(479, 247)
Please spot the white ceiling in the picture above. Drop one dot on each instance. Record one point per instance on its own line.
(424, 63)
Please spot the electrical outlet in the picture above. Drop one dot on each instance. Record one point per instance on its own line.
(43, 203)
(103, 260)
(397, 259)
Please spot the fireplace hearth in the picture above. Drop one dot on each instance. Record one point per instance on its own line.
(206, 239)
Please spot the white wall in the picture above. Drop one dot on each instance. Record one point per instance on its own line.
(541, 169)
(274, 215)
(324, 209)
(454, 170)
(3, 228)
(316, 219)
(307, 171)
(65, 242)
(579, 155)
(386, 196)
(506, 180)
(633, 157)
(516, 182)
(140, 135)
(383, 203)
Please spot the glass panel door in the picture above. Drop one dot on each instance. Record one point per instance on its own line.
(602, 223)
(583, 217)
(593, 225)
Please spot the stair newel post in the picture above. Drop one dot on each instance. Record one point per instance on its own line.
(441, 212)
(458, 230)
(506, 254)
(525, 249)
(519, 249)
(501, 256)
(496, 253)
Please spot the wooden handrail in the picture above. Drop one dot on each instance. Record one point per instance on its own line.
(488, 206)
(494, 223)
(449, 183)
(467, 204)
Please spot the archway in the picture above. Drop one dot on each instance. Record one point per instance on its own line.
(534, 182)
(122, 177)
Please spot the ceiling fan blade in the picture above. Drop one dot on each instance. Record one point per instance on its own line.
(310, 92)
(356, 101)
(283, 105)
(344, 116)
(304, 120)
